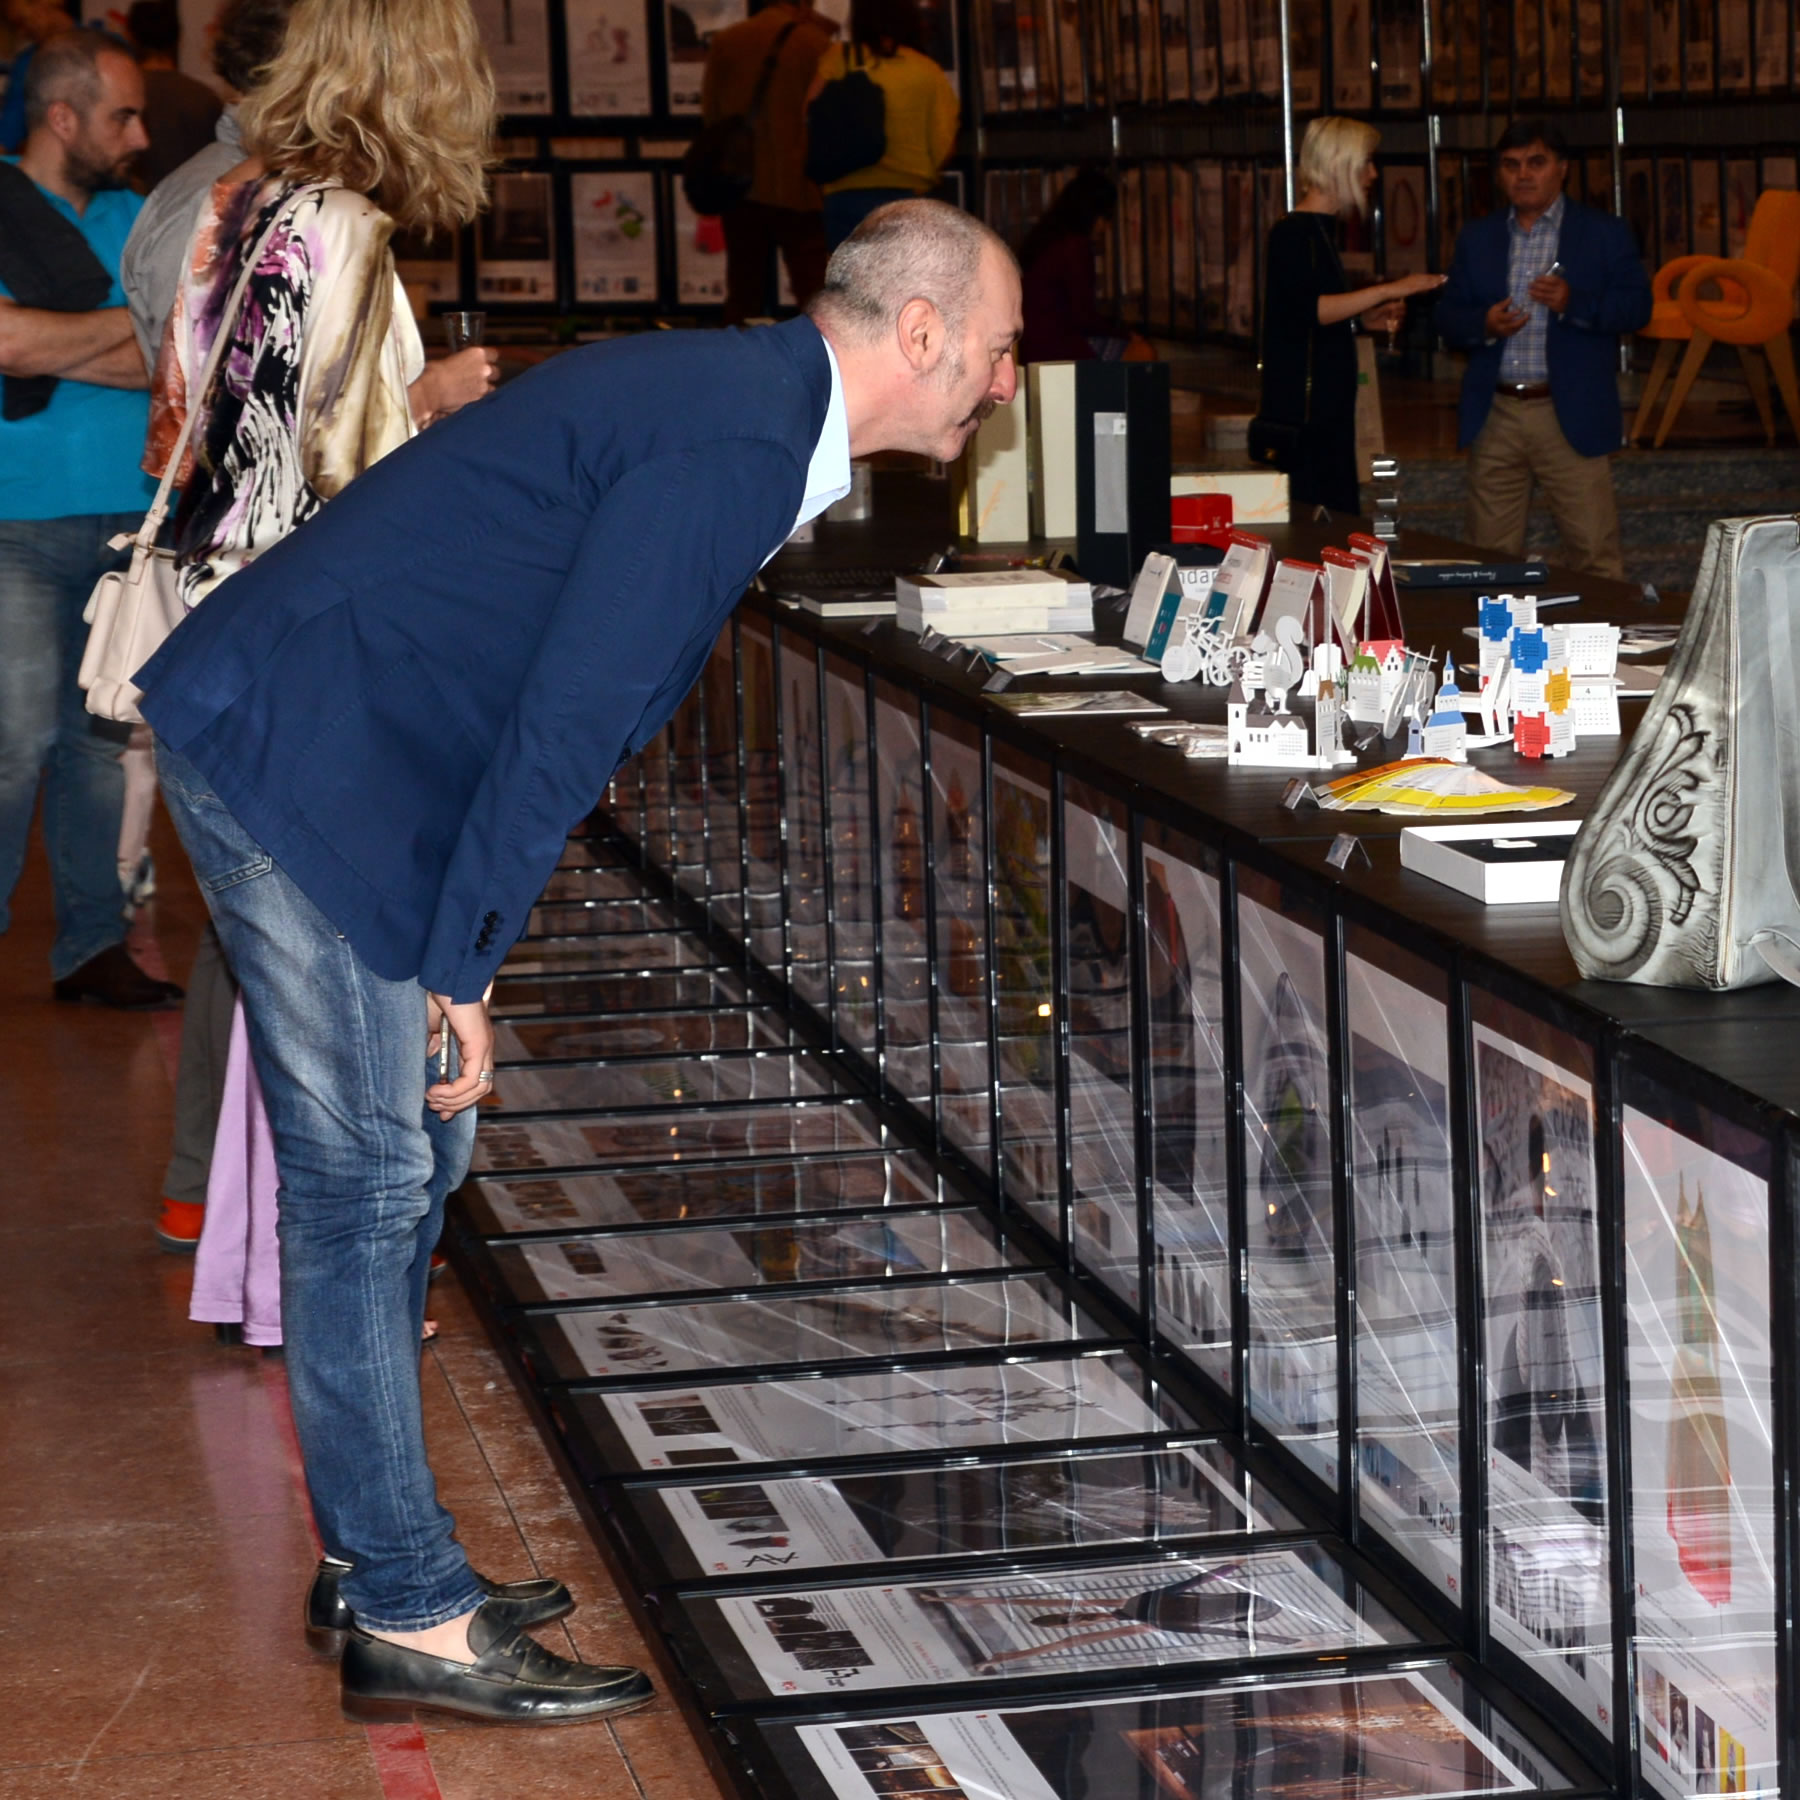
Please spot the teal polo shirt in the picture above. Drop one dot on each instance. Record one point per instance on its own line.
(81, 453)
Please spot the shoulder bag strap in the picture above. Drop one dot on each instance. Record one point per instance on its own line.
(754, 111)
(228, 321)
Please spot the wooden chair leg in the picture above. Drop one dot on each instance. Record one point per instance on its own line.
(1758, 378)
(1780, 352)
(1653, 383)
(1690, 367)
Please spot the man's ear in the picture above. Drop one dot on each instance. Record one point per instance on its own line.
(919, 331)
(64, 121)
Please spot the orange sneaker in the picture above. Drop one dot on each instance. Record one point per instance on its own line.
(178, 1230)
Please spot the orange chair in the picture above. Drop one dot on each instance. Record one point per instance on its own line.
(1752, 310)
(1669, 327)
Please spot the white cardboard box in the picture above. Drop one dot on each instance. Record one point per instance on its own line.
(1500, 863)
(1052, 394)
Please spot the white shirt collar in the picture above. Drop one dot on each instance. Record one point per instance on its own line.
(828, 474)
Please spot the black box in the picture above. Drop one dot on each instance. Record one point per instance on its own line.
(1121, 467)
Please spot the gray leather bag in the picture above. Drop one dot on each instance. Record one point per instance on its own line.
(1687, 873)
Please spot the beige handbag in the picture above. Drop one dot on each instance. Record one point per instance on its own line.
(132, 610)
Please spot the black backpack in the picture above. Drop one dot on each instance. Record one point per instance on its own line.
(720, 164)
(846, 126)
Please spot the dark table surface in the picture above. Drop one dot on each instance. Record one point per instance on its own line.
(1743, 1038)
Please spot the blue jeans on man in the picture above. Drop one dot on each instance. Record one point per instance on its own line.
(365, 1169)
(48, 568)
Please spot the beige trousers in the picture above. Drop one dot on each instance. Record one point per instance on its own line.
(1521, 443)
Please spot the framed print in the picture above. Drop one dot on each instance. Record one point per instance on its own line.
(975, 1507)
(1590, 49)
(1352, 81)
(1203, 50)
(1698, 65)
(1444, 18)
(516, 36)
(535, 1200)
(1420, 1734)
(1699, 1369)
(1779, 171)
(1006, 54)
(1071, 64)
(1634, 48)
(1734, 47)
(1157, 309)
(1707, 236)
(1306, 46)
(609, 58)
(1290, 1236)
(959, 843)
(987, 56)
(689, 27)
(699, 253)
(1672, 228)
(1528, 50)
(1234, 46)
(1501, 50)
(852, 867)
(803, 809)
(1402, 55)
(1403, 214)
(1265, 48)
(1405, 1328)
(1452, 204)
(1104, 1227)
(1559, 52)
(1665, 46)
(515, 256)
(950, 1408)
(430, 268)
(1772, 46)
(1038, 86)
(1640, 205)
(1025, 998)
(613, 217)
(1177, 73)
(1184, 272)
(1242, 249)
(1096, 1618)
(1214, 243)
(1549, 1557)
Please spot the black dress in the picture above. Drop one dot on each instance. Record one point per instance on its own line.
(1303, 264)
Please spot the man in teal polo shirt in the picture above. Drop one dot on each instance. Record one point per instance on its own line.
(69, 481)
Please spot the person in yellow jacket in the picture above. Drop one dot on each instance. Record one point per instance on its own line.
(922, 113)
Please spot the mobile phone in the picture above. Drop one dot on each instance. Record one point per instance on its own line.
(1556, 269)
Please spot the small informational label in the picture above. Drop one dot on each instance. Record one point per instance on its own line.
(1296, 794)
(1112, 501)
(1346, 848)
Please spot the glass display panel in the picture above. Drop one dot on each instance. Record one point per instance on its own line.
(687, 780)
(980, 1509)
(532, 996)
(676, 1196)
(597, 886)
(1098, 1618)
(1287, 1171)
(572, 1142)
(762, 796)
(1024, 993)
(852, 855)
(1408, 1437)
(958, 1406)
(626, 953)
(905, 948)
(1549, 1566)
(1698, 1370)
(653, 760)
(575, 917)
(1103, 1222)
(803, 803)
(1190, 1234)
(693, 1082)
(652, 1034)
(885, 1323)
(1414, 1734)
(724, 833)
(959, 847)
(753, 1255)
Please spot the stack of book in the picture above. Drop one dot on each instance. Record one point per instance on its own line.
(994, 602)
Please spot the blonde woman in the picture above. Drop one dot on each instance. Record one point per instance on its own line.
(376, 113)
(1309, 309)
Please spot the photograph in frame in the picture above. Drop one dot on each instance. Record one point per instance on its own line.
(609, 57)
(515, 257)
(516, 36)
(689, 26)
(1352, 86)
(613, 218)
(1549, 1588)
(1699, 1369)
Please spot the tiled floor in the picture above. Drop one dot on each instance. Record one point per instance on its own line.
(152, 1532)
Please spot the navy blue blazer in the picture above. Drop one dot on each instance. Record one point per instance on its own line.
(1609, 293)
(412, 700)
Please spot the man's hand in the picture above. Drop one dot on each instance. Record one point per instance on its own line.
(1551, 291)
(474, 1034)
(1504, 320)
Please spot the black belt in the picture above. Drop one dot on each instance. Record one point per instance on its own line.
(1524, 390)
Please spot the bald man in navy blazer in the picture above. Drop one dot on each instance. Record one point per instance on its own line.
(374, 742)
(1538, 293)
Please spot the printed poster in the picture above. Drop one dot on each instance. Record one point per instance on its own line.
(958, 829)
(516, 261)
(945, 1409)
(1060, 1622)
(609, 58)
(1548, 1560)
(689, 26)
(700, 281)
(1352, 83)
(1396, 1737)
(516, 35)
(1699, 1352)
(1022, 985)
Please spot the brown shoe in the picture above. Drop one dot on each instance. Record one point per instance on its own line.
(113, 979)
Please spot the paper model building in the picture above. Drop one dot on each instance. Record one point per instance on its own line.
(1375, 677)
(1446, 732)
(1260, 738)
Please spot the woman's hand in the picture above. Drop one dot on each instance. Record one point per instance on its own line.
(450, 383)
(1403, 287)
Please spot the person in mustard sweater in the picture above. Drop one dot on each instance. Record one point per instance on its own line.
(922, 113)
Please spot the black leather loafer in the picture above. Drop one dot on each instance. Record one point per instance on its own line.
(519, 1603)
(514, 1680)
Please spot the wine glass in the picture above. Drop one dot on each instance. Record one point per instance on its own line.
(461, 329)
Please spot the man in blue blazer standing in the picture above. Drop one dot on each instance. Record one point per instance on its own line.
(1538, 295)
(374, 741)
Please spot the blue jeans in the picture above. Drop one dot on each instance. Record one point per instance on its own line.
(364, 1170)
(48, 568)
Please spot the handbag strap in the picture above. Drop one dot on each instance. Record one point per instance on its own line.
(754, 111)
(147, 533)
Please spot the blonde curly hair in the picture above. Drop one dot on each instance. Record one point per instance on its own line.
(392, 98)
